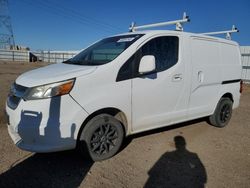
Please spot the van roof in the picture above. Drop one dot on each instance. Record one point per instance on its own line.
(158, 32)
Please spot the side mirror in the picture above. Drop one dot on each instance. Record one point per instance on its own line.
(147, 64)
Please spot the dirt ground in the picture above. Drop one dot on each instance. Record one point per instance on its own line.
(192, 154)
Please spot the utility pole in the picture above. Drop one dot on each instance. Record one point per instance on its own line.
(6, 31)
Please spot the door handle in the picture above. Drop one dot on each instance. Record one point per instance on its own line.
(177, 78)
(200, 76)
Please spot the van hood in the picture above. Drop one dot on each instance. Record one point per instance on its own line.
(53, 73)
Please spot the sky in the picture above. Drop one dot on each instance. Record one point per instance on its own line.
(74, 24)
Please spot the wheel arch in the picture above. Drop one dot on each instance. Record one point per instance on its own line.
(118, 114)
(228, 95)
(220, 96)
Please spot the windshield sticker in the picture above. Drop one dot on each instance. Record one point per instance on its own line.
(126, 39)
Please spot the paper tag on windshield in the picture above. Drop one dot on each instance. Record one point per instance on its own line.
(126, 39)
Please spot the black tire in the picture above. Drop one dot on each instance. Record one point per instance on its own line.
(222, 113)
(101, 138)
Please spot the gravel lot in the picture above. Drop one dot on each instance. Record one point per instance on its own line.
(192, 154)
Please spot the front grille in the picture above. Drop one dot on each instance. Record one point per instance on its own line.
(15, 95)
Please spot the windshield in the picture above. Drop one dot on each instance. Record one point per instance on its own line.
(104, 51)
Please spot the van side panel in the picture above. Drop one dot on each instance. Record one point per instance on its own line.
(206, 76)
(231, 71)
(230, 62)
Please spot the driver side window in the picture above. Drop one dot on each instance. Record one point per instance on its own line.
(165, 50)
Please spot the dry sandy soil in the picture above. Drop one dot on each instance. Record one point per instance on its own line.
(212, 157)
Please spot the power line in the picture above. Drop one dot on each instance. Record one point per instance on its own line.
(70, 14)
(85, 16)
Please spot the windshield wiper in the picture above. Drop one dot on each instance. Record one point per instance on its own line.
(87, 63)
(74, 62)
(67, 61)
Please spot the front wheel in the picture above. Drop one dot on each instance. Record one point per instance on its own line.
(222, 113)
(102, 137)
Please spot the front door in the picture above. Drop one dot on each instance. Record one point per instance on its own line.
(160, 98)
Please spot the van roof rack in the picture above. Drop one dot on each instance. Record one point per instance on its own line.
(179, 27)
(177, 23)
(228, 32)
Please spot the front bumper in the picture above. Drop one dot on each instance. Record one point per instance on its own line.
(46, 125)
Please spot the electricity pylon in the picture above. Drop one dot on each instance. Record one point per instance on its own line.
(6, 31)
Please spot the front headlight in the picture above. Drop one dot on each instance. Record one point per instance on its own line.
(49, 90)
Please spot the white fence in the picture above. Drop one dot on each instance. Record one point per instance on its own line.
(245, 57)
(33, 56)
(54, 56)
(14, 55)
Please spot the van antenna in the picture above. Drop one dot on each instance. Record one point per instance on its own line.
(228, 33)
(178, 24)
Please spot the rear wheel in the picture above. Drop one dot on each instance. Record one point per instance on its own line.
(222, 113)
(102, 137)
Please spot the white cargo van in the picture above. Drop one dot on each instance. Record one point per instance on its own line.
(124, 85)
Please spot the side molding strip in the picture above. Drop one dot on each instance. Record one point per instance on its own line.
(231, 81)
